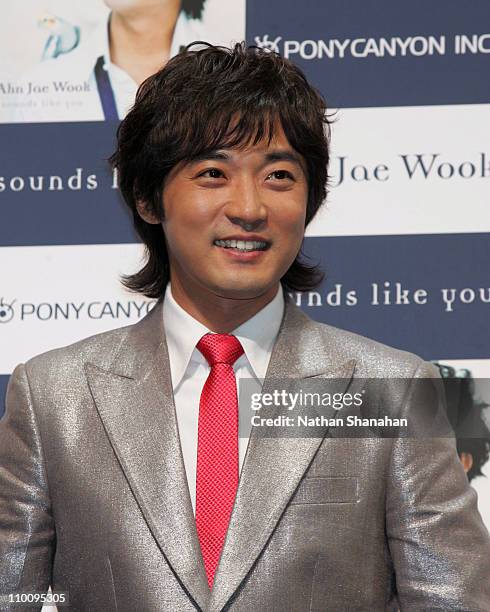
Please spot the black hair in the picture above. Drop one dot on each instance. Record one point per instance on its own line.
(205, 98)
(465, 414)
(193, 8)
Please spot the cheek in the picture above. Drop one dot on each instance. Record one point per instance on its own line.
(187, 214)
(290, 218)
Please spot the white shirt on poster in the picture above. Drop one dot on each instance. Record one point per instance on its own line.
(65, 88)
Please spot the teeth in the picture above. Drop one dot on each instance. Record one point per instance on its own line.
(242, 245)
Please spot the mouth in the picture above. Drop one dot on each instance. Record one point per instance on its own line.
(243, 246)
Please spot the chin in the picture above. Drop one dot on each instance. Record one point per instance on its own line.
(240, 290)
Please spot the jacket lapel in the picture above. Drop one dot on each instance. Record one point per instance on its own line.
(274, 466)
(133, 395)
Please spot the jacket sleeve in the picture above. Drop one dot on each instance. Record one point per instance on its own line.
(27, 534)
(438, 542)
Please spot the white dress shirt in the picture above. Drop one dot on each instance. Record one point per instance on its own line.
(189, 368)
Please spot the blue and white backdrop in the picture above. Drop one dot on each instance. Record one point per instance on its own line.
(403, 236)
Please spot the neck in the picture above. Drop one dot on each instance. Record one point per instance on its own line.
(140, 40)
(220, 314)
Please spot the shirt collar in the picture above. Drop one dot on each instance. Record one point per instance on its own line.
(183, 332)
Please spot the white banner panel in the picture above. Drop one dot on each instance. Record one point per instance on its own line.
(53, 296)
(408, 170)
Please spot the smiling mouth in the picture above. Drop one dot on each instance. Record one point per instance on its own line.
(243, 246)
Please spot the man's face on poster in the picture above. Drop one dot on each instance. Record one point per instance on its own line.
(128, 5)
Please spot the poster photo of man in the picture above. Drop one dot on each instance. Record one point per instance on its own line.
(86, 63)
(467, 389)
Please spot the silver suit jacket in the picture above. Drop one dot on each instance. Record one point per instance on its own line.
(94, 498)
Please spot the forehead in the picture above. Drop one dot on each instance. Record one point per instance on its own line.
(278, 140)
(264, 134)
(271, 147)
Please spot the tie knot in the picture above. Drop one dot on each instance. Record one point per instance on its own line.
(220, 348)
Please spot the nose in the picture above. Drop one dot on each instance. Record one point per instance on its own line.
(246, 207)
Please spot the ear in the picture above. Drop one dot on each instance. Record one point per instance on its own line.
(467, 461)
(146, 214)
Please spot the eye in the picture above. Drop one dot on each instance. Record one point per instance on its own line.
(212, 173)
(281, 175)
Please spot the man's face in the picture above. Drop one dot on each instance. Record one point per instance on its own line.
(256, 194)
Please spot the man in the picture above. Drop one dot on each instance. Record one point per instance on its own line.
(465, 412)
(123, 478)
(468, 411)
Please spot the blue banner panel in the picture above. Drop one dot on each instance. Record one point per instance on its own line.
(3, 388)
(426, 294)
(381, 53)
(56, 186)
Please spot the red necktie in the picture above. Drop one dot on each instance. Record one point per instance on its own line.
(217, 447)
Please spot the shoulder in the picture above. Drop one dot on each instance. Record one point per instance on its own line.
(68, 361)
(373, 358)
(119, 349)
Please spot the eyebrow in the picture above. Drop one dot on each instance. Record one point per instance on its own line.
(207, 155)
(271, 156)
(284, 155)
